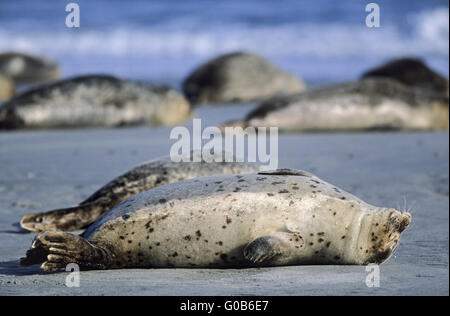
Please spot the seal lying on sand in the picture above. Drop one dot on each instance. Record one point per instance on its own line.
(283, 217)
(412, 72)
(7, 88)
(363, 105)
(94, 101)
(142, 178)
(238, 77)
(28, 69)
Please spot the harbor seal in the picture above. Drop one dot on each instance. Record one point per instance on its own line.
(139, 179)
(94, 100)
(7, 88)
(24, 69)
(238, 77)
(283, 217)
(412, 72)
(369, 104)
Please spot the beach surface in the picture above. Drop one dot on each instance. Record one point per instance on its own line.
(43, 170)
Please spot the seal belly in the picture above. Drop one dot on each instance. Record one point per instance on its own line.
(191, 233)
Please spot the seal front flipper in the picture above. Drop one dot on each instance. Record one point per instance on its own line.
(55, 250)
(66, 219)
(280, 247)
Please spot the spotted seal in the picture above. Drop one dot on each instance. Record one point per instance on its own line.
(94, 100)
(139, 179)
(369, 104)
(24, 68)
(283, 217)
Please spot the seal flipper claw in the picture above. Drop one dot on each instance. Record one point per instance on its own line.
(279, 246)
(55, 250)
(35, 255)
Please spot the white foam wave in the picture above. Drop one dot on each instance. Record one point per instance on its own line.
(432, 27)
(428, 35)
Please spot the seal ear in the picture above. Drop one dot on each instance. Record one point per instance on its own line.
(287, 172)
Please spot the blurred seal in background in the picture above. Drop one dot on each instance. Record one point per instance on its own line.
(26, 69)
(369, 104)
(238, 77)
(94, 100)
(411, 72)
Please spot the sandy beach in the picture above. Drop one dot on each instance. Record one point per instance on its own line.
(49, 169)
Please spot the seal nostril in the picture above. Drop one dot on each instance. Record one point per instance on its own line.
(400, 222)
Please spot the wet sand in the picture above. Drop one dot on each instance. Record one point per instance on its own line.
(43, 170)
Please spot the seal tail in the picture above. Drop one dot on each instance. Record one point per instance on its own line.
(66, 219)
(57, 250)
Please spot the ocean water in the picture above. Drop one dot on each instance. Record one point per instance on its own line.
(163, 40)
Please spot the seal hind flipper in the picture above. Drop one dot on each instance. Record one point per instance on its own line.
(280, 246)
(67, 219)
(55, 250)
(36, 254)
(286, 172)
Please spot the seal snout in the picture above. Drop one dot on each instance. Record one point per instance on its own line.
(385, 236)
(399, 221)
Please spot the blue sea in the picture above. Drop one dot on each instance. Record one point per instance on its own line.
(322, 41)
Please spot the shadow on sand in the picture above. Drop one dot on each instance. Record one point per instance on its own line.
(14, 268)
(17, 230)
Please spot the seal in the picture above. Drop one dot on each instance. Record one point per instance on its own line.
(412, 72)
(238, 77)
(28, 69)
(7, 88)
(139, 179)
(369, 104)
(282, 217)
(94, 100)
